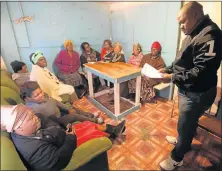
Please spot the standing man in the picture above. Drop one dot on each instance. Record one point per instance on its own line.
(195, 73)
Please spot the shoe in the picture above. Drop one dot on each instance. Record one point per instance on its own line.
(119, 129)
(171, 140)
(96, 114)
(170, 164)
(83, 93)
(100, 120)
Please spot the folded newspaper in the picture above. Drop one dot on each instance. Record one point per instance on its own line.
(151, 72)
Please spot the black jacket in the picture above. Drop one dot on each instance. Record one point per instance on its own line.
(49, 149)
(196, 64)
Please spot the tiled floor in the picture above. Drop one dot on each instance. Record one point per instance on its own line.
(143, 146)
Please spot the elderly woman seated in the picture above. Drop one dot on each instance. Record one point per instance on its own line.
(44, 144)
(48, 82)
(154, 59)
(68, 64)
(107, 49)
(90, 55)
(21, 74)
(117, 54)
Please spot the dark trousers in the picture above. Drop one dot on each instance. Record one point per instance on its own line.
(73, 117)
(191, 107)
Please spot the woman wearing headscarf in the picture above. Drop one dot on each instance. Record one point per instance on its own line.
(21, 74)
(107, 49)
(41, 149)
(137, 55)
(155, 60)
(44, 144)
(68, 63)
(48, 82)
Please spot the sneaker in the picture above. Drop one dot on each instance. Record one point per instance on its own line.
(100, 120)
(119, 129)
(171, 140)
(170, 164)
(96, 114)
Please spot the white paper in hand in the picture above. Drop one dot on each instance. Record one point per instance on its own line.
(151, 72)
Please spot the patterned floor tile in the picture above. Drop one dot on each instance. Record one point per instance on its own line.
(143, 145)
(145, 150)
(156, 116)
(127, 162)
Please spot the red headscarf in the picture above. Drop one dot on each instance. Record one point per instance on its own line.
(156, 45)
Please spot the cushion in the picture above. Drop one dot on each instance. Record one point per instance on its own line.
(87, 151)
(8, 82)
(10, 159)
(7, 92)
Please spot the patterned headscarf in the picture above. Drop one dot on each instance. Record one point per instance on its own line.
(19, 119)
(35, 57)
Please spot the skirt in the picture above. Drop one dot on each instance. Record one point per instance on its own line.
(73, 79)
(86, 131)
(147, 91)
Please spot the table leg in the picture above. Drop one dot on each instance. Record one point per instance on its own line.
(90, 82)
(138, 87)
(117, 98)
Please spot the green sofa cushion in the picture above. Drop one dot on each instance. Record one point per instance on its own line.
(6, 81)
(87, 151)
(10, 159)
(9, 93)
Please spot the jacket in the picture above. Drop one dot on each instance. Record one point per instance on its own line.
(49, 149)
(195, 67)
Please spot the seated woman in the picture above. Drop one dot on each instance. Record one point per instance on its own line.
(137, 55)
(21, 74)
(42, 143)
(107, 49)
(154, 59)
(39, 102)
(90, 55)
(68, 63)
(48, 82)
(117, 55)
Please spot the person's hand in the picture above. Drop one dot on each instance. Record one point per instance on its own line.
(71, 111)
(166, 78)
(162, 70)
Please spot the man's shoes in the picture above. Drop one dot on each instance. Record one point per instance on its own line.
(171, 140)
(170, 164)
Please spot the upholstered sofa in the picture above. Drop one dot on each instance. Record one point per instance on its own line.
(90, 156)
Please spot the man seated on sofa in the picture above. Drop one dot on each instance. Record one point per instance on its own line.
(42, 143)
(21, 74)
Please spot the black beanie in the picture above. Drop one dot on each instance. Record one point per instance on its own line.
(17, 65)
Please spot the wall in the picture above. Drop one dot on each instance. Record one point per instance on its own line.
(53, 23)
(145, 23)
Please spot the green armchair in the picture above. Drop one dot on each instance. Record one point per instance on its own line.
(91, 155)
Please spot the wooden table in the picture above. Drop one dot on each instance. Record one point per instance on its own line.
(116, 73)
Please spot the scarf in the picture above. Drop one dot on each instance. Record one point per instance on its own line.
(19, 119)
(35, 57)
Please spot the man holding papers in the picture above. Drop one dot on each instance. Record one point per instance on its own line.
(195, 73)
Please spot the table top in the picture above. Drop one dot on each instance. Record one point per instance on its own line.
(115, 70)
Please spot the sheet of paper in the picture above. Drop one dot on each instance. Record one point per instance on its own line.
(151, 72)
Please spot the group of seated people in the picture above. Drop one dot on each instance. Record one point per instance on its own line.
(42, 128)
(71, 78)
